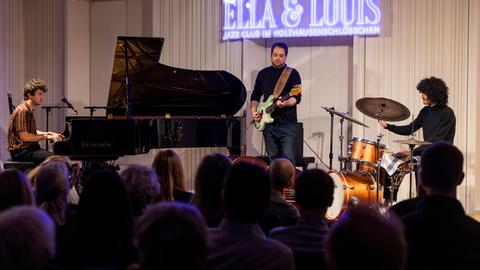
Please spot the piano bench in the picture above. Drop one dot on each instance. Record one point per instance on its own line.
(22, 166)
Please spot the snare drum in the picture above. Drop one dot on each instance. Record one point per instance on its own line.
(351, 189)
(365, 153)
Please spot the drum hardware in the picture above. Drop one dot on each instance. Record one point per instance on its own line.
(412, 142)
(381, 109)
(342, 116)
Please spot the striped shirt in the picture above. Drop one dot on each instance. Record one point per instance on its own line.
(22, 119)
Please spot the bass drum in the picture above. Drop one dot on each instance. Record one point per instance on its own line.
(351, 189)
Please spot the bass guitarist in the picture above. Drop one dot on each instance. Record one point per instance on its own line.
(278, 80)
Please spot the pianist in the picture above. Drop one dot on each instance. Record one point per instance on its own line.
(23, 136)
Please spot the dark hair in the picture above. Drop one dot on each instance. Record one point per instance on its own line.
(172, 236)
(246, 193)
(281, 172)
(27, 238)
(104, 222)
(314, 189)
(209, 182)
(14, 189)
(366, 236)
(168, 167)
(32, 86)
(441, 166)
(282, 45)
(142, 186)
(435, 89)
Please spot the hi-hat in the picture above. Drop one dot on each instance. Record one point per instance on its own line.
(383, 109)
(412, 142)
(345, 116)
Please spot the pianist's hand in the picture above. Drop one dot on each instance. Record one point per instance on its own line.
(55, 137)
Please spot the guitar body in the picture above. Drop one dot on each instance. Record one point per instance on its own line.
(266, 116)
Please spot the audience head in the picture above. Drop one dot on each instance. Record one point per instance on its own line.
(33, 172)
(27, 238)
(169, 170)
(282, 173)
(51, 190)
(246, 193)
(209, 182)
(142, 186)
(172, 236)
(441, 168)
(104, 221)
(314, 190)
(14, 189)
(370, 240)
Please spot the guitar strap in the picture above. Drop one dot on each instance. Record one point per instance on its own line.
(282, 81)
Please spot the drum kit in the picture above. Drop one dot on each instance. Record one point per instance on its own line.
(367, 184)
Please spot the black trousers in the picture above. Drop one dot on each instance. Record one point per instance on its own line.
(33, 153)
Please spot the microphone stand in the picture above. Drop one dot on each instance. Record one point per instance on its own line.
(330, 155)
(48, 110)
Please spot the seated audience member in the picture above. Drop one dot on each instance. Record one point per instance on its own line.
(73, 170)
(238, 242)
(51, 190)
(27, 239)
(314, 194)
(405, 207)
(280, 212)
(439, 233)
(104, 224)
(142, 186)
(364, 239)
(209, 182)
(14, 189)
(168, 167)
(172, 236)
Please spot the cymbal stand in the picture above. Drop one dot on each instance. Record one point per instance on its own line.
(411, 146)
(377, 153)
(341, 158)
(330, 155)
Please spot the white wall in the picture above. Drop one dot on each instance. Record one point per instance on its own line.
(78, 55)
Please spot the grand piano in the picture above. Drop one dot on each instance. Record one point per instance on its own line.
(151, 105)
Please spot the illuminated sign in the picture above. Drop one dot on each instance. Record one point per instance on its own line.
(250, 19)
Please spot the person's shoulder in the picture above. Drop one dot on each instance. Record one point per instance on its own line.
(265, 69)
(277, 246)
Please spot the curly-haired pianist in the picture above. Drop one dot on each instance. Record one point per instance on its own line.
(436, 118)
(23, 136)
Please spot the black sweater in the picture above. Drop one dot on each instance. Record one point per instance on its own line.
(438, 123)
(265, 84)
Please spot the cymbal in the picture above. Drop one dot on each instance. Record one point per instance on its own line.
(383, 109)
(345, 116)
(412, 142)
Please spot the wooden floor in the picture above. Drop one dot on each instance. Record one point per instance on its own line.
(476, 216)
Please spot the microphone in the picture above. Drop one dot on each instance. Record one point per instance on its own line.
(69, 105)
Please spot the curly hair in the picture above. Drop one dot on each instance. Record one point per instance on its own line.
(142, 186)
(435, 89)
(32, 86)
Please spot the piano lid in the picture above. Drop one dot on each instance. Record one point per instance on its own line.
(158, 89)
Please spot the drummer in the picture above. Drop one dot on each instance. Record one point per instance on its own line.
(436, 118)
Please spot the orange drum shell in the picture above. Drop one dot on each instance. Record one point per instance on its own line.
(358, 185)
(365, 153)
